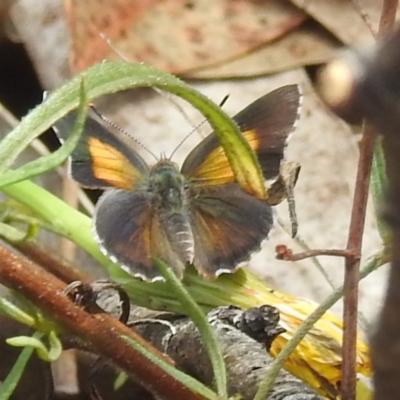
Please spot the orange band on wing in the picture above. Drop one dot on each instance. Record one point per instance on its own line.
(111, 166)
(216, 170)
(253, 138)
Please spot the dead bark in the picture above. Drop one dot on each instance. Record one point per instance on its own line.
(247, 360)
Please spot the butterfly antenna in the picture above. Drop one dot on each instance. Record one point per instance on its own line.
(119, 129)
(195, 128)
(224, 100)
(158, 91)
(163, 94)
(113, 48)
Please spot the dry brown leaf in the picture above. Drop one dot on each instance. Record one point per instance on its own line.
(307, 45)
(343, 18)
(173, 35)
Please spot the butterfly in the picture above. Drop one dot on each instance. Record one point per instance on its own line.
(197, 214)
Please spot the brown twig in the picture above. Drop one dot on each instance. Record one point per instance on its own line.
(352, 264)
(101, 330)
(284, 253)
(388, 17)
(64, 270)
(354, 243)
(377, 97)
(51, 262)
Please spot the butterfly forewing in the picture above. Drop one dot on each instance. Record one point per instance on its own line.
(101, 160)
(266, 124)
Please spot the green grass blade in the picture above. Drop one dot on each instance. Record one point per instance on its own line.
(187, 380)
(196, 314)
(9, 384)
(378, 189)
(111, 77)
(46, 163)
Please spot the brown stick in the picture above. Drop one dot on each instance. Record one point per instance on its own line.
(101, 330)
(284, 253)
(388, 17)
(354, 243)
(51, 262)
(352, 265)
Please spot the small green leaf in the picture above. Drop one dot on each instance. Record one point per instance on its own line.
(55, 347)
(13, 311)
(120, 380)
(51, 354)
(11, 234)
(26, 341)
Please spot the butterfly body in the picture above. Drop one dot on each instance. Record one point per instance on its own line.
(170, 191)
(194, 215)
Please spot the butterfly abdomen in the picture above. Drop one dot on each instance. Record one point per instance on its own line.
(180, 235)
(168, 187)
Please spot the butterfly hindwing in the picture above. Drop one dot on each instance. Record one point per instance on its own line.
(266, 124)
(101, 160)
(228, 225)
(131, 231)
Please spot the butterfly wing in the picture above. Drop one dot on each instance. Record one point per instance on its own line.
(266, 124)
(130, 231)
(228, 225)
(101, 160)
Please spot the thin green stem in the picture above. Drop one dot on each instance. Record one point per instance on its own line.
(187, 380)
(196, 314)
(269, 380)
(10, 383)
